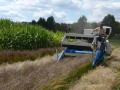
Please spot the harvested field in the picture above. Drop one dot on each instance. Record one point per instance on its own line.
(38, 74)
(102, 78)
(33, 75)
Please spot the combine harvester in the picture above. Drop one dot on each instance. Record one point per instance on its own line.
(87, 43)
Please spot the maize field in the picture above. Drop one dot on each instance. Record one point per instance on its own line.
(24, 36)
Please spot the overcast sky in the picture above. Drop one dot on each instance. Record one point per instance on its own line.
(63, 10)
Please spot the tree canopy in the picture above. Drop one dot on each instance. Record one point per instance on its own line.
(79, 26)
(41, 22)
(109, 20)
(50, 23)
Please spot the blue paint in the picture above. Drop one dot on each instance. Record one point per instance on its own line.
(61, 55)
(99, 55)
(72, 51)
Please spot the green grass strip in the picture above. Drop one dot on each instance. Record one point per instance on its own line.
(115, 42)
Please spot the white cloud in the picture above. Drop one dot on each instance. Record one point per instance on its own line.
(43, 13)
(62, 10)
(59, 16)
(26, 2)
(99, 8)
(77, 3)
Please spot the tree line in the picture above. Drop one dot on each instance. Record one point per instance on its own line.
(80, 25)
(108, 20)
(51, 24)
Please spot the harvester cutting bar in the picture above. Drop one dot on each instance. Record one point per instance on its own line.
(76, 40)
(78, 35)
(76, 44)
(74, 52)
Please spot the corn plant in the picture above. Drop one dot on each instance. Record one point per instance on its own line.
(25, 36)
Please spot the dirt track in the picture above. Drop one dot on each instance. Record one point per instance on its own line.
(32, 75)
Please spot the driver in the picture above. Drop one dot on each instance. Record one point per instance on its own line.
(99, 37)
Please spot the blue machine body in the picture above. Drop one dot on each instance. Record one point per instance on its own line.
(99, 54)
(73, 52)
(77, 44)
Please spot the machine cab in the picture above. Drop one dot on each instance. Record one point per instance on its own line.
(108, 30)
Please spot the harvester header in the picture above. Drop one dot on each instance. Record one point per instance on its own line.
(76, 44)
